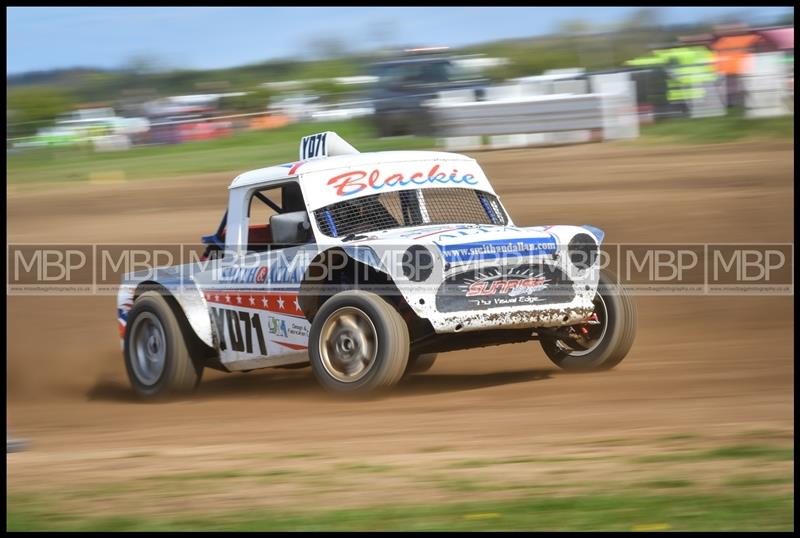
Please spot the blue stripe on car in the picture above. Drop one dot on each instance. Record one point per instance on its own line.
(531, 246)
(331, 224)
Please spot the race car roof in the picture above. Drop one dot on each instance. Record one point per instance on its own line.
(300, 168)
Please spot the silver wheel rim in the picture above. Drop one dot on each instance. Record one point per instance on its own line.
(586, 345)
(149, 348)
(348, 344)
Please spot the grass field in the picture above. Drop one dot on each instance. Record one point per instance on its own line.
(745, 486)
(729, 128)
(249, 150)
(574, 513)
(241, 152)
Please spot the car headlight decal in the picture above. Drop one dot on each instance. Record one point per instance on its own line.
(417, 263)
(582, 251)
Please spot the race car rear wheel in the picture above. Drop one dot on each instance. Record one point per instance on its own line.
(418, 364)
(157, 357)
(358, 343)
(602, 342)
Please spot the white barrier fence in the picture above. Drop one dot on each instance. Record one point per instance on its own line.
(524, 114)
(769, 86)
(712, 101)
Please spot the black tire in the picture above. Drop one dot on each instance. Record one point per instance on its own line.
(388, 349)
(418, 364)
(180, 374)
(613, 344)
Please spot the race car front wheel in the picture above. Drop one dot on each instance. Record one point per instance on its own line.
(157, 358)
(604, 340)
(358, 343)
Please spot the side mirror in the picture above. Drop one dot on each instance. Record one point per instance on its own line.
(290, 228)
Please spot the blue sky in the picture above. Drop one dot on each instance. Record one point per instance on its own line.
(200, 38)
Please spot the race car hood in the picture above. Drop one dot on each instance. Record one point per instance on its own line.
(460, 277)
(465, 243)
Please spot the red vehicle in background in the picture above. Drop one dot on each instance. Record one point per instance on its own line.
(204, 130)
(186, 124)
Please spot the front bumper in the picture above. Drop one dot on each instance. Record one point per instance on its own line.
(539, 294)
(513, 318)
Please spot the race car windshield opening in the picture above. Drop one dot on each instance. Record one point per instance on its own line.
(416, 207)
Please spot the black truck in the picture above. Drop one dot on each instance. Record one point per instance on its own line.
(404, 84)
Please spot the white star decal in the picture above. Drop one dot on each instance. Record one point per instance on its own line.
(280, 302)
(252, 300)
(264, 301)
(216, 297)
(228, 298)
(239, 299)
(296, 304)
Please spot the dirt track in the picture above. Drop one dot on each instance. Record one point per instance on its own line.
(712, 367)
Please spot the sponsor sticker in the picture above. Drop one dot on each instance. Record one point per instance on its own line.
(504, 286)
(355, 181)
(499, 248)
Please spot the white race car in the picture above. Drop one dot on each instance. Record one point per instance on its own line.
(369, 264)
